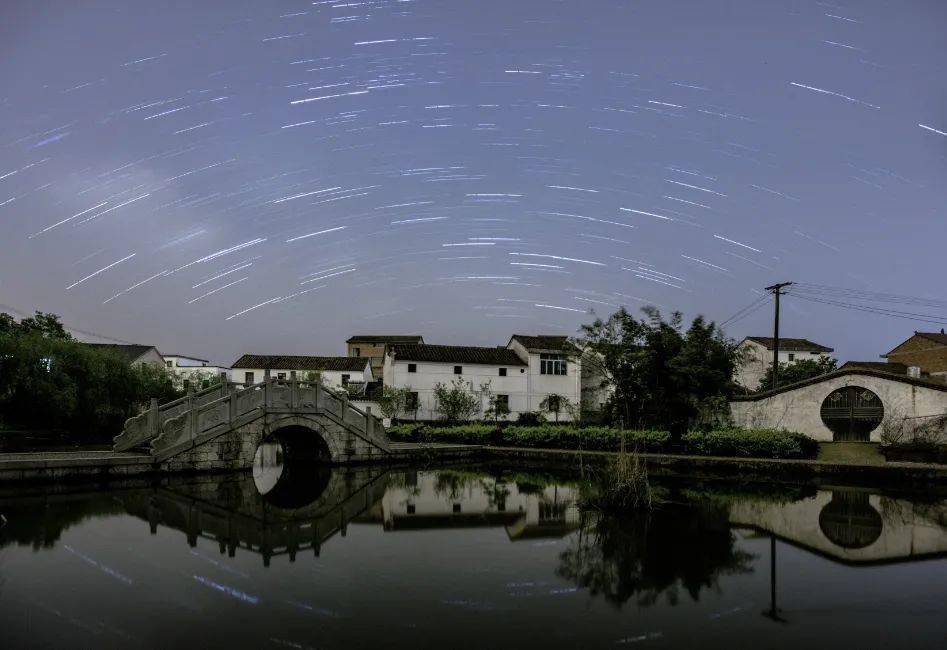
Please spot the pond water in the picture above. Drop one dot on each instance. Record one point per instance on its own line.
(466, 557)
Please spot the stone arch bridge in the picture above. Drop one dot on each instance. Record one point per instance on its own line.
(220, 427)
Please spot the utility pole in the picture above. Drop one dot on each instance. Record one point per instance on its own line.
(776, 290)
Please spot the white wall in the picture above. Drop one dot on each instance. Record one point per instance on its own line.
(330, 378)
(758, 359)
(540, 386)
(429, 374)
(799, 409)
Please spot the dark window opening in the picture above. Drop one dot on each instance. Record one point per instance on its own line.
(411, 508)
(456, 507)
(281, 375)
(792, 357)
(412, 367)
(552, 364)
(248, 378)
(503, 372)
(356, 352)
(345, 380)
(503, 401)
(458, 370)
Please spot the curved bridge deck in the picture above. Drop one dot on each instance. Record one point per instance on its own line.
(223, 424)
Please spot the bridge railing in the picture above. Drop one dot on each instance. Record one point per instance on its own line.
(180, 423)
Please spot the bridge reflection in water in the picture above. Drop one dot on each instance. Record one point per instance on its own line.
(289, 509)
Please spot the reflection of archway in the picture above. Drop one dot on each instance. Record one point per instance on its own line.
(849, 520)
(852, 413)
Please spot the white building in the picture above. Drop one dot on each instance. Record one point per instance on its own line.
(335, 372)
(757, 357)
(523, 374)
(188, 370)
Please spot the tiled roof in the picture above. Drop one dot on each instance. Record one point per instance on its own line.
(290, 362)
(893, 368)
(386, 338)
(937, 337)
(129, 352)
(541, 341)
(456, 354)
(790, 345)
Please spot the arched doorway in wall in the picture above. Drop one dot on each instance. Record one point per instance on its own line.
(852, 413)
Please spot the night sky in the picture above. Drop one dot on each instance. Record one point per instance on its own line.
(216, 178)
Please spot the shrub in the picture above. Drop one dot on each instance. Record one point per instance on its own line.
(753, 443)
(530, 418)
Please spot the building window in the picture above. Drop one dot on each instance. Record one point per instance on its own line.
(356, 352)
(411, 508)
(169, 363)
(456, 507)
(503, 372)
(281, 375)
(552, 364)
(248, 378)
(187, 384)
(412, 367)
(503, 401)
(458, 370)
(792, 357)
(411, 402)
(345, 380)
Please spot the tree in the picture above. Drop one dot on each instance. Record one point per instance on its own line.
(456, 403)
(553, 404)
(790, 373)
(498, 408)
(656, 374)
(392, 401)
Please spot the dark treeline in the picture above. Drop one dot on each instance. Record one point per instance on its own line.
(658, 374)
(49, 381)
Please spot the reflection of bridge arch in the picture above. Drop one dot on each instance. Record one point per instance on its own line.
(849, 520)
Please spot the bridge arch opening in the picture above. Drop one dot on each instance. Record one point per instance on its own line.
(301, 444)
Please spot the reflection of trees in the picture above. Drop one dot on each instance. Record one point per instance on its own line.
(676, 546)
(41, 525)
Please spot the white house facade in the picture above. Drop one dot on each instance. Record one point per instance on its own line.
(524, 374)
(335, 372)
(757, 357)
(419, 368)
(187, 370)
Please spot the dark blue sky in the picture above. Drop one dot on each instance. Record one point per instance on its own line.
(217, 178)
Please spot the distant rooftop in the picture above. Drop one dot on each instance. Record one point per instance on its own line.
(790, 345)
(128, 351)
(292, 362)
(457, 354)
(386, 338)
(541, 341)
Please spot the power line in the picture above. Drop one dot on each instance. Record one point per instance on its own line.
(745, 311)
(870, 296)
(881, 311)
(68, 327)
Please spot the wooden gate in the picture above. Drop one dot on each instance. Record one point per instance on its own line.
(852, 413)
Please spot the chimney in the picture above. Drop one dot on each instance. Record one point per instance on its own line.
(914, 371)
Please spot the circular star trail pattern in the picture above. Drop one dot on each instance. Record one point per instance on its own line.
(227, 177)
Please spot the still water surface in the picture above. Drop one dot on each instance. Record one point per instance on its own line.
(467, 558)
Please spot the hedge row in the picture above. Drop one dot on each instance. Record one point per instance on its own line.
(754, 443)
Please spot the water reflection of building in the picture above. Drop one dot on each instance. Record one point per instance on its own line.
(449, 500)
(850, 526)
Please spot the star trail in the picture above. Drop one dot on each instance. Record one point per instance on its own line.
(221, 177)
